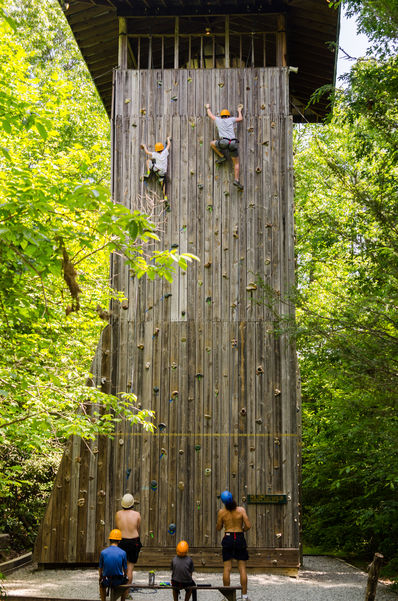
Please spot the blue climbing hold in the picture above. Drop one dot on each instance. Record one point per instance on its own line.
(172, 529)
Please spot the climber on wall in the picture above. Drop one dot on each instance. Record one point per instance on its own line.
(157, 163)
(227, 142)
(235, 522)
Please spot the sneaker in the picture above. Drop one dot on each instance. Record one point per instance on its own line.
(220, 161)
(238, 184)
(146, 175)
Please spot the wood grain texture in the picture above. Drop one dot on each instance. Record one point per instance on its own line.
(204, 352)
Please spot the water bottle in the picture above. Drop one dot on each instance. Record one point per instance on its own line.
(151, 577)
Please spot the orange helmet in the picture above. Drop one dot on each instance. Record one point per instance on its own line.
(115, 534)
(225, 113)
(182, 548)
(159, 147)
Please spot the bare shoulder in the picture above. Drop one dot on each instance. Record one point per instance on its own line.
(241, 510)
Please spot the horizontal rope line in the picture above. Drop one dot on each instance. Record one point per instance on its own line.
(207, 434)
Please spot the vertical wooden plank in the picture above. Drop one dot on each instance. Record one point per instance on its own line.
(176, 41)
(122, 58)
(227, 59)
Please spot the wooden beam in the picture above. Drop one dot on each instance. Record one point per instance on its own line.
(281, 50)
(176, 42)
(227, 42)
(122, 57)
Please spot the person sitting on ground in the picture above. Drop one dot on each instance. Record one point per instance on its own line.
(235, 522)
(157, 163)
(227, 140)
(128, 521)
(181, 572)
(112, 566)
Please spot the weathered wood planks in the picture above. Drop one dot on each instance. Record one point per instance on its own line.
(203, 352)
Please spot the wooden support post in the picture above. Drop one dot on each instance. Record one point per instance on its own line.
(373, 577)
(150, 53)
(227, 42)
(122, 43)
(281, 47)
(176, 42)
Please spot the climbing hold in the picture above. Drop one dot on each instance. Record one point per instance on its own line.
(175, 245)
(259, 420)
(133, 125)
(167, 295)
(162, 452)
(247, 88)
(151, 533)
(278, 534)
(127, 100)
(243, 411)
(197, 505)
(273, 124)
(252, 448)
(277, 392)
(250, 129)
(160, 83)
(208, 300)
(156, 389)
(208, 349)
(173, 365)
(262, 107)
(143, 111)
(259, 370)
(125, 304)
(154, 485)
(181, 485)
(267, 261)
(128, 472)
(208, 264)
(121, 442)
(258, 169)
(200, 283)
(95, 450)
(189, 79)
(199, 376)
(234, 342)
(225, 276)
(265, 143)
(156, 332)
(174, 98)
(172, 529)
(181, 452)
(226, 193)
(174, 394)
(162, 427)
(216, 391)
(251, 286)
(221, 84)
(197, 447)
(207, 416)
(140, 346)
(243, 499)
(210, 208)
(147, 365)
(200, 186)
(183, 313)
(81, 502)
(207, 471)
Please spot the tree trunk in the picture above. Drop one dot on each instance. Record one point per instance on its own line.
(373, 576)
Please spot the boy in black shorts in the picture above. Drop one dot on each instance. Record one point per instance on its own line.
(181, 572)
(235, 522)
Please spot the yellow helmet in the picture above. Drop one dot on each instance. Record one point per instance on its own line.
(225, 113)
(182, 548)
(159, 147)
(115, 534)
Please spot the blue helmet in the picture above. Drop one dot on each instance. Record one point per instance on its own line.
(226, 496)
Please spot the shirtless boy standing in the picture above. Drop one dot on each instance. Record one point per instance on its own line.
(235, 522)
(128, 521)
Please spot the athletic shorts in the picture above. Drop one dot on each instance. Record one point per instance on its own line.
(132, 546)
(159, 172)
(181, 585)
(223, 144)
(234, 547)
(113, 582)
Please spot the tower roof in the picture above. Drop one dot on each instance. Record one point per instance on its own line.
(311, 29)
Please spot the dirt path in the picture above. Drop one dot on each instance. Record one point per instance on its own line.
(320, 579)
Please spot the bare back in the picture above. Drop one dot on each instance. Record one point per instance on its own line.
(233, 521)
(128, 521)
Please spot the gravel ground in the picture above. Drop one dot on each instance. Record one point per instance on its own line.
(320, 579)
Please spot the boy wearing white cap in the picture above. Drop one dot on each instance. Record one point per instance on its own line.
(128, 521)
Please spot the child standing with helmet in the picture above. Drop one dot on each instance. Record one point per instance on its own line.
(181, 572)
(235, 522)
(112, 566)
(227, 140)
(157, 163)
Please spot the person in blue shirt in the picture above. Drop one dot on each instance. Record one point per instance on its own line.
(227, 140)
(113, 566)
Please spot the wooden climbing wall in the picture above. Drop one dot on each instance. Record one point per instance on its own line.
(201, 352)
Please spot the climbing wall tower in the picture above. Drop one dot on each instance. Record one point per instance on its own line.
(210, 353)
